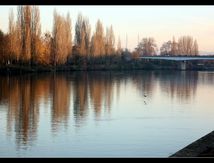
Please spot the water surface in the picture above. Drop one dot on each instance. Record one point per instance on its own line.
(104, 114)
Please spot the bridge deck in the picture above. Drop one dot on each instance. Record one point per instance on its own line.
(177, 58)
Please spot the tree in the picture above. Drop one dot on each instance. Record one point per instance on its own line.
(2, 47)
(92, 47)
(195, 48)
(12, 37)
(45, 49)
(17, 38)
(24, 18)
(87, 28)
(174, 50)
(35, 33)
(166, 48)
(186, 46)
(98, 41)
(82, 35)
(147, 47)
(61, 39)
(78, 28)
(109, 41)
(119, 49)
(69, 36)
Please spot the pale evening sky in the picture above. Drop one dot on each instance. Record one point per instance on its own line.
(160, 22)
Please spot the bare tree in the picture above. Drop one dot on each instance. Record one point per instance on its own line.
(87, 27)
(24, 18)
(27, 33)
(3, 40)
(61, 45)
(98, 41)
(166, 48)
(78, 28)
(35, 33)
(186, 46)
(109, 41)
(195, 48)
(45, 45)
(147, 47)
(69, 36)
(92, 46)
(12, 37)
(18, 36)
(174, 50)
(82, 35)
(119, 49)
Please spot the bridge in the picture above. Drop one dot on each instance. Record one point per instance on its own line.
(181, 59)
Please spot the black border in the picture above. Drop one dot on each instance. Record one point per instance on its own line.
(106, 2)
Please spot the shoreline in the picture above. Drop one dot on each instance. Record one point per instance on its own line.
(17, 69)
(203, 147)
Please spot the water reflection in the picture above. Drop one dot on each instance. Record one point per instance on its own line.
(80, 99)
(78, 93)
(60, 93)
(144, 82)
(100, 88)
(179, 85)
(23, 94)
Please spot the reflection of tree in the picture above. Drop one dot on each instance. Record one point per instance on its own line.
(22, 101)
(80, 96)
(207, 78)
(4, 84)
(179, 84)
(95, 87)
(144, 82)
(100, 86)
(13, 102)
(60, 90)
(108, 90)
(27, 119)
(23, 94)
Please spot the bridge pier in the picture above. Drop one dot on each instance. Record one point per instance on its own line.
(183, 65)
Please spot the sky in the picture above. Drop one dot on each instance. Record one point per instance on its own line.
(159, 22)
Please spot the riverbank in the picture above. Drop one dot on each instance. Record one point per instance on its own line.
(203, 147)
(64, 68)
(102, 67)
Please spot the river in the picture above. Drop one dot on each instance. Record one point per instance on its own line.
(104, 114)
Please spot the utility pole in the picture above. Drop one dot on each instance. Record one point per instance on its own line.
(126, 41)
(138, 39)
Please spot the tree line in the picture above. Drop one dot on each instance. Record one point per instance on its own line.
(185, 45)
(25, 44)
